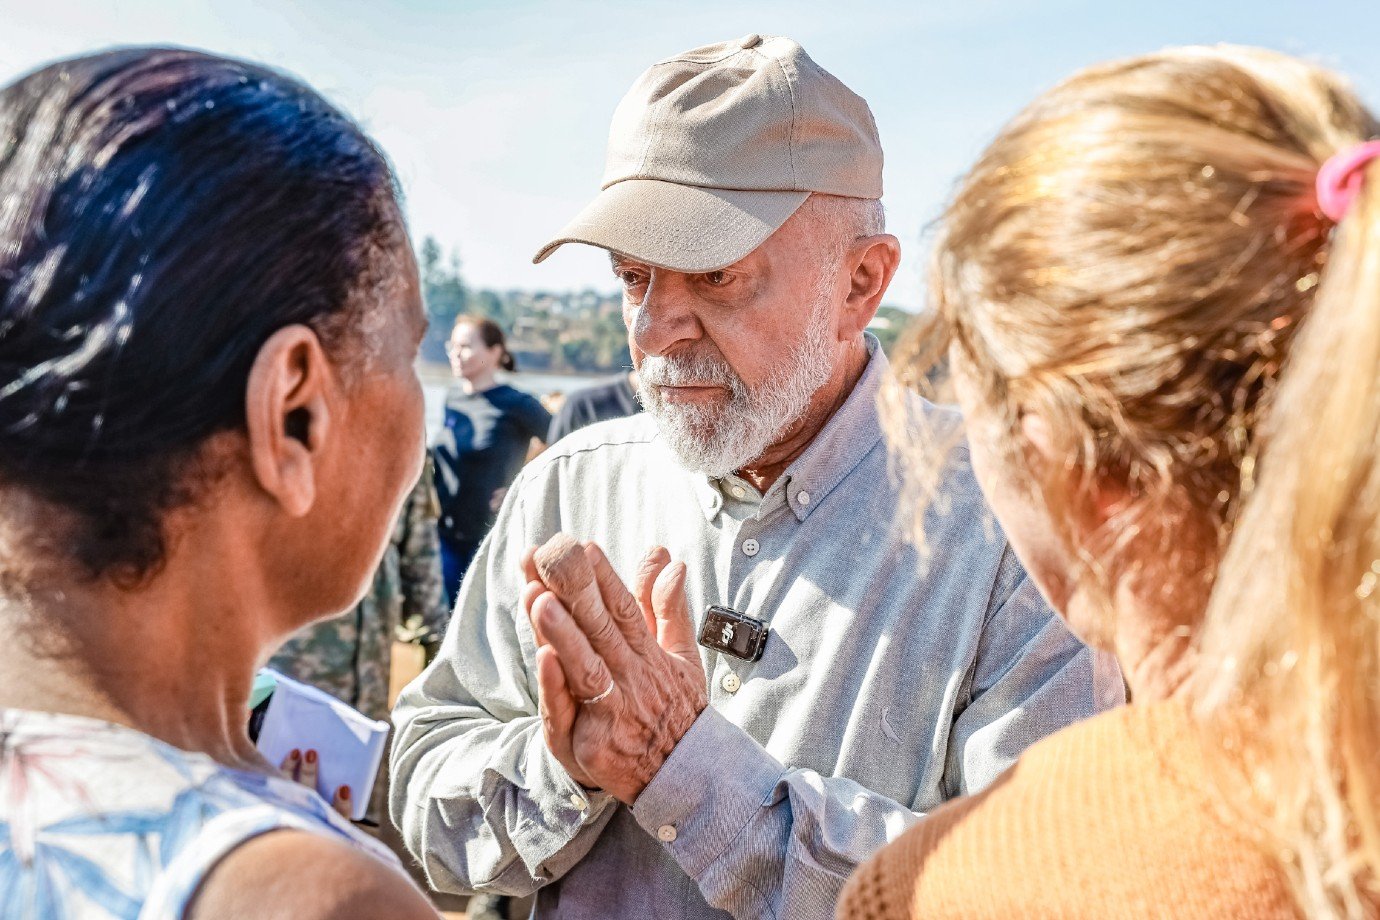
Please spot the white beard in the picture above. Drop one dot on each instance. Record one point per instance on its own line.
(718, 440)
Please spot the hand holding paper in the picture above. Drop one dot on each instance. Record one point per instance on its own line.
(348, 745)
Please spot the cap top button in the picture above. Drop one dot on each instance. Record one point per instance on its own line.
(750, 41)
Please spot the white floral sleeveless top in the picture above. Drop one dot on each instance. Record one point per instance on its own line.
(100, 821)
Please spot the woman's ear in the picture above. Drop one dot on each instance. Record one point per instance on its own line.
(1108, 496)
(1036, 431)
(287, 416)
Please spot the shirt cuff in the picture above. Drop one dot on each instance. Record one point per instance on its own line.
(713, 783)
(564, 807)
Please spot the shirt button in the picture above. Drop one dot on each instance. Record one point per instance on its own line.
(579, 801)
(666, 833)
(730, 683)
(803, 498)
(738, 492)
(750, 547)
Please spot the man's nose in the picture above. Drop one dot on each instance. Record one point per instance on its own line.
(666, 317)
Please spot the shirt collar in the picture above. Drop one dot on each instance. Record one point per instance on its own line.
(847, 437)
(710, 498)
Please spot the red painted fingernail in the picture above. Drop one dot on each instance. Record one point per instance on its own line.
(311, 757)
(295, 754)
(344, 793)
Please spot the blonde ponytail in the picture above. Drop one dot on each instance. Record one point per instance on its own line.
(1293, 628)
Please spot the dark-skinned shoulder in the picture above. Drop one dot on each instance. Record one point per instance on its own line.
(294, 875)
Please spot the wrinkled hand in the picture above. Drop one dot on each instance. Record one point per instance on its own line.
(591, 630)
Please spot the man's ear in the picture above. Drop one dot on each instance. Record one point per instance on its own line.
(1108, 496)
(287, 416)
(874, 260)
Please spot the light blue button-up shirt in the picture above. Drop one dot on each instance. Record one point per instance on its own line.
(888, 684)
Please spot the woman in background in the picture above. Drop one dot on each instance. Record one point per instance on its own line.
(209, 314)
(491, 430)
(1160, 294)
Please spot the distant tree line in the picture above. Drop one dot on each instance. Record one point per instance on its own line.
(569, 331)
(559, 332)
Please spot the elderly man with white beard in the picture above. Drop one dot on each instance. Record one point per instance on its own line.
(742, 680)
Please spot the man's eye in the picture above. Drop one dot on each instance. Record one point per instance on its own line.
(629, 278)
(716, 278)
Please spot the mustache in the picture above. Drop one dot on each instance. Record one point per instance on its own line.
(689, 370)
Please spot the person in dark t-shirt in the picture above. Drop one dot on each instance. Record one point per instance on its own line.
(615, 397)
(488, 435)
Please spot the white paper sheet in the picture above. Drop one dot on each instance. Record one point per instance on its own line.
(349, 745)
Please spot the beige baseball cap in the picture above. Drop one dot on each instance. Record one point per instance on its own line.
(712, 150)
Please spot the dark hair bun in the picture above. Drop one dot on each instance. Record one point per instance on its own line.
(165, 212)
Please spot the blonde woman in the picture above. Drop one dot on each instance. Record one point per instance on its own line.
(1159, 291)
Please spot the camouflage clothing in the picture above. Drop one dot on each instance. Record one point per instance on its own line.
(349, 656)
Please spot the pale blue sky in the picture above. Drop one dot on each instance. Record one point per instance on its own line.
(495, 113)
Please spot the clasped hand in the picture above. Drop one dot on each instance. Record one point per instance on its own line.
(595, 636)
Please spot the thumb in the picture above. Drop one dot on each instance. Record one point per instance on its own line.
(653, 564)
(675, 632)
(557, 704)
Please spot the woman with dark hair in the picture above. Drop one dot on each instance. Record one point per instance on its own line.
(208, 422)
(491, 429)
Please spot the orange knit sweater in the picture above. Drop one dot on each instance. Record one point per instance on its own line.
(1112, 818)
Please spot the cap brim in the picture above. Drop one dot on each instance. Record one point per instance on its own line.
(685, 228)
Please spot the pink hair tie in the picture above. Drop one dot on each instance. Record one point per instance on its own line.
(1339, 180)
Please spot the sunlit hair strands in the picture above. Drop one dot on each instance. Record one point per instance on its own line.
(1140, 259)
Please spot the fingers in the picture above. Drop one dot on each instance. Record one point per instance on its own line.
(586, 674)
(561, 563)
(618, 601)
(342, 802)
(532, 590)
(566, 569)
(558, 707)
(558, 711)
(530, 593)
(301, 768)
(292, 764)
(307, 775)
(675, 630)
(529, 564)
(656, 559)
